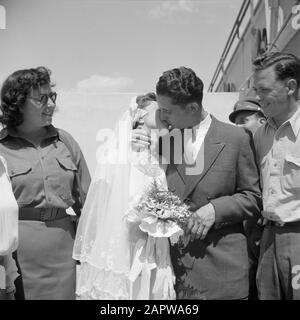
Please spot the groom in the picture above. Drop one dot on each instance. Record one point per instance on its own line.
(222, 194)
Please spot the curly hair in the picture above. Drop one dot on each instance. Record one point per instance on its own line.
(144, 100)
(15, 90)
(181, 85)
(286, 65)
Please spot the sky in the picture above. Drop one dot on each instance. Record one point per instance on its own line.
(102, 53)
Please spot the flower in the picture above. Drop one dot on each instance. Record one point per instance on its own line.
(160, 213)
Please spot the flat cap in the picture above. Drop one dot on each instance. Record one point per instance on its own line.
(247, 104)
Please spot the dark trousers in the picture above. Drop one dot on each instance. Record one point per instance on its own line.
(19, 294)
(253, 232)
(278, 274)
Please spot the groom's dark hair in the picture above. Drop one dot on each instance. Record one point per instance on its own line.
(181, 85)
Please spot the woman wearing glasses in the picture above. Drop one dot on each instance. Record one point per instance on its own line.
(47, 171)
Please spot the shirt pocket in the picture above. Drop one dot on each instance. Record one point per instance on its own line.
(19, 177)
(291, 172)
(67, 171)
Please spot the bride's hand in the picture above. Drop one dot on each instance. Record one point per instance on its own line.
(140, 139)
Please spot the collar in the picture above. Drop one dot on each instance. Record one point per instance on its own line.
(294, 122)
(202, 126)
(51, 131)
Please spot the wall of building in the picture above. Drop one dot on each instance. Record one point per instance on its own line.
(254, 42)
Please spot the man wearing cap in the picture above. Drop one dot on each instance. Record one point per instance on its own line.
(247, 114)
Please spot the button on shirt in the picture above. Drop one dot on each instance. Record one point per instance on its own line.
(278, 155)
(43, 177)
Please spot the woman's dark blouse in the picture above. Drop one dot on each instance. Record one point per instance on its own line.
(43, 177)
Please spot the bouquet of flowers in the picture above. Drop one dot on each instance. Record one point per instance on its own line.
(160, 212)
(162, 216)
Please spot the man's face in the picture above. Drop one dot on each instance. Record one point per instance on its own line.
(175, 115)
(248, 120)
(272, 92)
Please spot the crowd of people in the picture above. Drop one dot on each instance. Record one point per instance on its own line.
(241, 182)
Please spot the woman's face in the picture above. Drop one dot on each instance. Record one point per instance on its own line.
(152, 119)
(39, 107)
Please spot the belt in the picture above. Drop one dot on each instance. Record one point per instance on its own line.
(236, 227)
(282, 224)
(42, 214)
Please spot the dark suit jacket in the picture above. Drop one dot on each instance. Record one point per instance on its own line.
(217, 267)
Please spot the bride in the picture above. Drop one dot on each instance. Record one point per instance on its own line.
(106, 244)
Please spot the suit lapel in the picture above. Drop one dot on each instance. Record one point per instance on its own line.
(212, 146)
(181, 170)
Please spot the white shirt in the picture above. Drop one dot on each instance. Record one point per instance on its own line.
(194, 139)
(278, 154)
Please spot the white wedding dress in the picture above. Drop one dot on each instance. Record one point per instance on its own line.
(105, 241)
(8, 231)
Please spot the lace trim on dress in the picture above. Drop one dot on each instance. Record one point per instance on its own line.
(100, 284)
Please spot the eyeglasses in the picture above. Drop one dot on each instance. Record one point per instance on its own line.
(44, 98)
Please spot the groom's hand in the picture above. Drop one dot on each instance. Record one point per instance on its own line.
(201, 221)
(140, 139)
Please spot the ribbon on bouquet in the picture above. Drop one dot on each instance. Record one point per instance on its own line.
(150, 254)
(165, 279)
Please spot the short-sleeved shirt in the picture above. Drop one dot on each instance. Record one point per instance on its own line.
(278, 154)
(44, 176)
